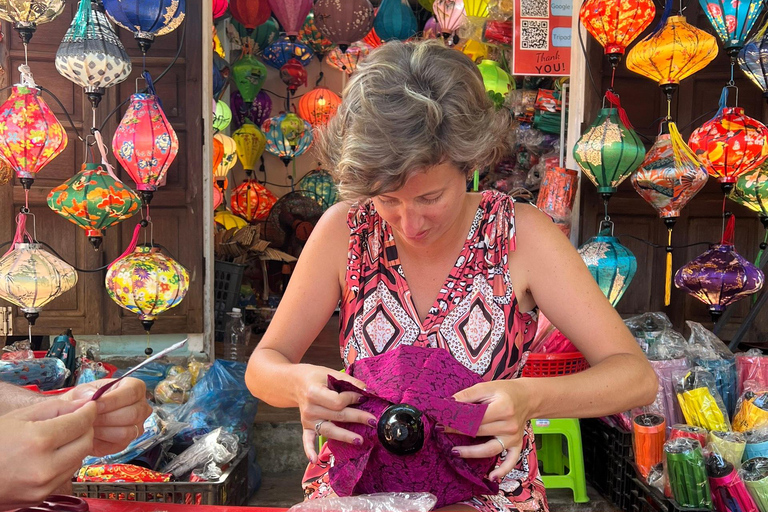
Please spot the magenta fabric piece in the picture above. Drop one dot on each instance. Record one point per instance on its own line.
(425, 378)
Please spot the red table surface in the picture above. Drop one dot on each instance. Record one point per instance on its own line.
(136, 506)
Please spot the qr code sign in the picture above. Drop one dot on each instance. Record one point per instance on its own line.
(534, 8)
(534, 35)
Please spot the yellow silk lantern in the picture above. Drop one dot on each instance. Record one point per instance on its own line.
(476, 8)
(249, 144)
(229, 159)
(475, 50)
(672, 54)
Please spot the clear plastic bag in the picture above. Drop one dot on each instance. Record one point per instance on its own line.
(757, 443)
(151, 374)
(381, 502)
(751, 410)
(18, 351)
(670, 344)
(751, 366)
(754, 473)
(729, 445)
(649, 431)
(728, 490)
(217, 447)
(705, 349)
(91, 371)
(174, 389)
(647, 328)
(700, 401)
(686, 472)
(666, 397)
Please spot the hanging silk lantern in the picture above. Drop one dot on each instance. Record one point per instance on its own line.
(319, 185)
(259, 111)
(218, 82)
(431, 29)
(228, 220)
(218, 152)
(91, 55)
(347, 61)
(450, 17)
(252, 201)
(6, 173)
(229, 159)
(146, 20)
(218, 197)
(249, 144)
(250, 13)
(291, 14)
(311, 36)
(31, 277)
(249, 74)
(610, 149)
(753, 59)
(145, 144)
(395, 20)
(219, 8)
(27, 15)
(495, 79)
(288, 136)
(720, 276)
(222, 116)
(94, 200)
(293, 75)
(31, 134)
(318, 105)
(427, 4)
(475, 8)
(616, 24)
(475, 50)
(372, 39)
(732, 20)
(283, 50)
(668, 179)
(730, 144)
(672, 54)
(343, 23)
(611, 264)
(751, 190)
(146, 282)
(260, 37)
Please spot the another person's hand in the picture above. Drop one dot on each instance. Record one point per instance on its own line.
(321, 406)
(121, 413)
(504, 421)
(41, 447)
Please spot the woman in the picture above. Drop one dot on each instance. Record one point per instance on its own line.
(414, 123)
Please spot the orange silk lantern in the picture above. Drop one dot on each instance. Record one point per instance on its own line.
(252, 201)
(318, 105)
(218, 152)
(616, 24)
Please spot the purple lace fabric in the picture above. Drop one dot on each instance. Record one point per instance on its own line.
(426, 378)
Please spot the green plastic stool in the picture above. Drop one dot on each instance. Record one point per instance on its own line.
(551, 455)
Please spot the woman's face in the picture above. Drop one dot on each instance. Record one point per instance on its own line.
(427, 206)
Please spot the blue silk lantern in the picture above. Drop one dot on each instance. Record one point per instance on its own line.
(753, 59)
(146, 20)
(288, 136)
(612, 265)
(319, 185)
(732, 20)
(281, 51)
(395, 20)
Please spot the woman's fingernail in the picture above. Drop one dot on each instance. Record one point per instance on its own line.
(358, 441)
(362, 399)
(372, 422)
(455, 452)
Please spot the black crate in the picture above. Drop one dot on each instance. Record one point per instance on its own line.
(227, 278)
(607, 463)
(231, 489)
(652, 500)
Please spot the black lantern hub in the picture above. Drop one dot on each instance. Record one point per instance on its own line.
(145, 40)
(669, 90)
(286, 160)
(31, 317)
(715, 314)
(343, 48)
(27, 183)
(401, 429)
(94, 95)
(95, 242)
(614, 59)
(146, 196)
(147, 325)
(670, 222)
(726, 188)
(764, 221)
(26, 30)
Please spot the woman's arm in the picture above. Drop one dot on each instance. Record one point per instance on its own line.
(620, 377)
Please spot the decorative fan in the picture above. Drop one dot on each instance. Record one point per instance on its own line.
(290, 222)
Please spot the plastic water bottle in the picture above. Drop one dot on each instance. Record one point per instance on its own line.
(236, 334)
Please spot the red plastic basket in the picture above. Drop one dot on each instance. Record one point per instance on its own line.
(552, 365)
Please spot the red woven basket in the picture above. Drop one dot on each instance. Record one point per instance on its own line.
(552, 365)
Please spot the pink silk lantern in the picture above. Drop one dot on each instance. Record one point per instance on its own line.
(145, 143)
(291, 14)
(218, 197)
(219, 8)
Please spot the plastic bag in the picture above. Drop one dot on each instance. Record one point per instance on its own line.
(728, 489)
(174, 389)
(699, 400)
(91, 371)
(666, 396)
(17, 351)
(705, 349)
(757, 443)
(729, 445)
(751, 366)
(686, 472)
(47, 373)
(380, 502)
(151, 374)
(217, 446)
(647, 328)
(649, 431)
(754, 473)
(669, 345)
(751, 411)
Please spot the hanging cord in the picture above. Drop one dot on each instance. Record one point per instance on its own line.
(657, 246)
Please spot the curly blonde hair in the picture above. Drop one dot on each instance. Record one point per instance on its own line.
(408, 107)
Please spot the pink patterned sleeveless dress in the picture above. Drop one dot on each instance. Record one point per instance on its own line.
(475, 317)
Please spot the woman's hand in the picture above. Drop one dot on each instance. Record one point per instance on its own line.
(504, 421)
(41, 448)
(121, 413)
(321, 406)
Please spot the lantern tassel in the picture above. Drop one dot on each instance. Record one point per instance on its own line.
(132, 245)
(730, 231)
(103, 151)
(21, 230)
(614, 100)
(668, 281)
(81, 18)
(663, 20)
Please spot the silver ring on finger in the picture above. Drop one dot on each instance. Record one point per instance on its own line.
(503, 446)
(318, 425)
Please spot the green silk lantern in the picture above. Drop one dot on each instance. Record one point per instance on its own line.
(495, 79)
(395, 20)
(751, 190)
(611, 264)
(610, 149)
(249, 74)
(222, 116)
(319, 185)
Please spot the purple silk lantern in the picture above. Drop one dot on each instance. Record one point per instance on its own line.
(260, 111)
(720, 276)
(410, 390)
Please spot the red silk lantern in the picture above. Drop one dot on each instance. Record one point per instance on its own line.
(616, 24)
(145, 143)
(30, 135)
(372, 39)
(250, 13)
(219, 8)
(252, 201)
(293, 75)
(318, 105)
(730, 144)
